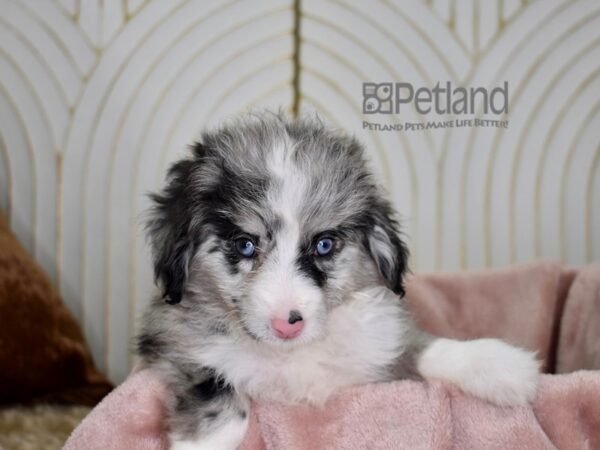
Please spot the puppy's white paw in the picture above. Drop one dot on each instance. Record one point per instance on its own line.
(486, 368)
(228, 436)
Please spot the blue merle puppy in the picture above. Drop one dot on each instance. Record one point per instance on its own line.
(281, 270)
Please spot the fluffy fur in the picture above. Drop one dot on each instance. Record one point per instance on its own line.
(282, 188)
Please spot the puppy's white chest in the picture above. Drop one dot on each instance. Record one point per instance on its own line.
(364, 337)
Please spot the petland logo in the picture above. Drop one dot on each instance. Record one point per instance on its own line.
(394, 98)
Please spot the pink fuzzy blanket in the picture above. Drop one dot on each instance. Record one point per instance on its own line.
(539, 306)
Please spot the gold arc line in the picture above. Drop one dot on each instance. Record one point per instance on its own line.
(499, 15)
(296, 58)
(5, 156)
(40, 59)
(215, 70)
(32, 160)
(448, 24)
(134, 12)
(392, 38)
(318, 106)
(595, 171)
(195, 92)
(46, 25)
(544, 153)
(425, 37)
(563, 179)
(122, 26)
(77, 12)
(64, 10)
(240, 81)
(57, 234)
(284, 85)
(475, 24)
(38, 104)
(35, 95)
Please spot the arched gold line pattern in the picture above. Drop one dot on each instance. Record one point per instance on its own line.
(35, 97)
(587, 120)
(49, 70)
(468, 150)
(494, 150)
(241, 81)
(212, 73)
(326, 22)
(423, 35)
(65, 9)
(43, 106)
(30, 153)
(580, 54)
(42, 20)
(9, 177)
(592, 237)
(514, 99)
(550, 137)
(132, 11)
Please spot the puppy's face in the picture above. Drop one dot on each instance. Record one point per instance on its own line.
(272, 224)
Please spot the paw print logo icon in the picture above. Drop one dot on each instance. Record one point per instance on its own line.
(377, 98)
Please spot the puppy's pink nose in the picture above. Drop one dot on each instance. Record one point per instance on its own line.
(290, 328)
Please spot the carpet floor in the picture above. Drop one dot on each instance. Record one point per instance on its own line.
(42, 427)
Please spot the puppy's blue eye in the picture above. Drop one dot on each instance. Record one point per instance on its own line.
(324, 246)
(245, 247)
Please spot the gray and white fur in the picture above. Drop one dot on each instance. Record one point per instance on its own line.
(281, 267)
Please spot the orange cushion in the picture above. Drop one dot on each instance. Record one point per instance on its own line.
(43, 355)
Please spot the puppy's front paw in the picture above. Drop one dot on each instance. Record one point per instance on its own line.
(486, 368)
(227, 436)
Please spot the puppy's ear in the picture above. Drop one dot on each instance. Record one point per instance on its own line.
(387, 249)
(169, 230)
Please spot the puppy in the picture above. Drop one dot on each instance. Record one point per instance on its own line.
(281, 266)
